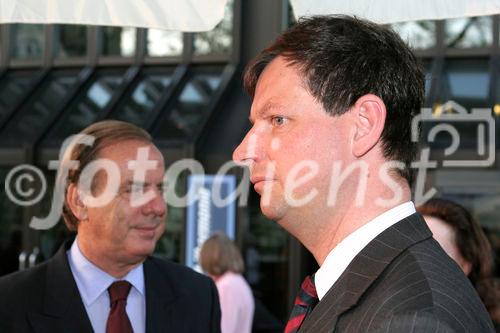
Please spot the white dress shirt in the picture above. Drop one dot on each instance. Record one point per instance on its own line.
(341, 256)
(93, 286)
(236, 303)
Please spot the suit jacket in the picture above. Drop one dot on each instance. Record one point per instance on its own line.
(402, 281)
(46, 299)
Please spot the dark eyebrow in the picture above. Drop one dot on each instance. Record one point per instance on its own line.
(270, 105)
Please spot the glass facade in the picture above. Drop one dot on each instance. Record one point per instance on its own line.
(13, 89)
(71, 41)
(88, 105)
(418, 34)
(469, 32)
(139, 106)
(119, 42)
(29, 41)
(219, 40)
(183, 121)
(162, 43)
(44, 105)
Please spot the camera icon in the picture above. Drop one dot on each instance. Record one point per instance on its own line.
(482, 118)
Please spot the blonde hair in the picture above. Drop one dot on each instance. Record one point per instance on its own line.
(219, 254)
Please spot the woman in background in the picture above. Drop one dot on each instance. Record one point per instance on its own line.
(463, 240)
(222, 261)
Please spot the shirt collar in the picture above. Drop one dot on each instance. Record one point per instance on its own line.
(341, 256)
(93, 281)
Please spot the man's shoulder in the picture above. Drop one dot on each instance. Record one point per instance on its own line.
(22, 280)
(425, 283)
(175, 271)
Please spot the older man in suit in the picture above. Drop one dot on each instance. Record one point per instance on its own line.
(106, 280)
(329, 151)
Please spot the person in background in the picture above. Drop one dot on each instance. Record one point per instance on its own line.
(221, 260)
(462, 238)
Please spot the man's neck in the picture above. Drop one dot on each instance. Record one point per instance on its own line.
(116, 269)
(342, 222)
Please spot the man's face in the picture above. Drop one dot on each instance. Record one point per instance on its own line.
(123, 230)
(292, 136)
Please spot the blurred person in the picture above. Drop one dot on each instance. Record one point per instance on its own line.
(462, 238)
(222, 261)
(330, 151)
(106, 279)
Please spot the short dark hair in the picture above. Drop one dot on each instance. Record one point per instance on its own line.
(343, 58)
(105, 133)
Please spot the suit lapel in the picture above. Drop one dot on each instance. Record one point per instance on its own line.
(160, 309)
(63, 309)
(363, 271)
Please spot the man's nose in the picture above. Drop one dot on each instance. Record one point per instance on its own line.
(247, 151)
(156, 206)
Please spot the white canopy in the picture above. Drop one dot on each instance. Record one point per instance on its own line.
(391, 11)
(183, 15)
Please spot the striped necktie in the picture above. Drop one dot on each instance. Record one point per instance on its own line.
(304, 303)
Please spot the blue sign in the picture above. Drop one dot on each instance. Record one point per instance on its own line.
(211, 208)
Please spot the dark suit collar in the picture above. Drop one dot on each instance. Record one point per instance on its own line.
(160, 296)
(363, 271)
(63, 309)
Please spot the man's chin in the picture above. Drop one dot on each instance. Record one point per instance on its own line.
(273, 211)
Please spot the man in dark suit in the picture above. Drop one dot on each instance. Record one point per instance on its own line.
(330, 151)
(106, 280)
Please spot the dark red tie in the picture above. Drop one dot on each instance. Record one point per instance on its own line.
(304, 303)
(118, 321)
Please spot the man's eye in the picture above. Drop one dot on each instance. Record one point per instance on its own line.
(135, 188)
(278, 120)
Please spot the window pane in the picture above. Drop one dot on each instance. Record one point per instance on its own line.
(220, 39)
(37, 114)
(419, 34)
(466, 82)
(137, 107)
(469, 32)
(27, 41)
(191, 107)
(118, 41)
(162, 43)
(13, 88)
(88, 105)
(71, 41)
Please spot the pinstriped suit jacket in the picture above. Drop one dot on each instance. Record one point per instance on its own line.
(402, 281)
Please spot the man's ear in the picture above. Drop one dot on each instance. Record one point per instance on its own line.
(75, 202)
(370, 113)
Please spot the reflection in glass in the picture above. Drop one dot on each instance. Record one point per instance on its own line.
(118, 41)
(162, 43)
(466, 82)
(191, 107)
(418, 34)
(220, 39)
(469, 32)
(34, 117)
(71, 41)
(27, 41)
(87, 106)
(13, 88)
(138, 106)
